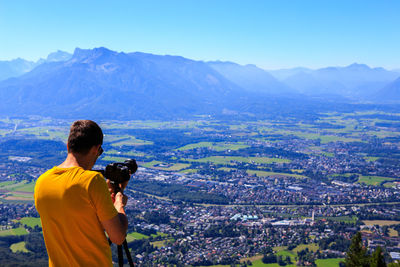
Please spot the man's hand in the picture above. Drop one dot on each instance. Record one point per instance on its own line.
(120, 201)
(112, 190)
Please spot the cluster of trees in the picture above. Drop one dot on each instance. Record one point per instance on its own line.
(33, 242)
(348, 179)
(364, 213)
(222, 231)
(336, 242)
(156, 217)
(280, 260)
(357, 255)
(306, 257)
(43, 153)
(139, 246)
(270, 257)
(178, 192)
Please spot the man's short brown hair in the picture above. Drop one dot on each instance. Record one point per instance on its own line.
(83, 135)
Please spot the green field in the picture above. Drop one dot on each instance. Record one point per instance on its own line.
(31, 221)
(29, 187)
(10, 185)
(148, 124)
(114, 152)
(22, 186)
(380, 222)
(282, 251)
(371, 158)
(325, 138)
(393, 232)
(188, 171)
(176, 167)
(214, 146)
(311, 247)
(259, 263)
(226, 169)
(159, 234)
(134, 236)
(165, 166)
(150, 164)
(15, 231)
(267, 174)
(158, 244)
(286, 253)
(19, 247)
(227, 160)
(47, 133)
(346, 219)
(126, 140)
(374, 180)
(370, 180)
(5, 132)
(20, 196)
(6, 183)
(115, 159)
(389, 185)
(334, 262)
(19, 190)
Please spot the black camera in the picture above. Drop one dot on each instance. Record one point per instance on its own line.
(120, 172)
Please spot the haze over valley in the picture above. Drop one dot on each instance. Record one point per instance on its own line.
(101, 83)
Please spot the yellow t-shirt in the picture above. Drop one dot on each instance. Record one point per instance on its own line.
(71, 203)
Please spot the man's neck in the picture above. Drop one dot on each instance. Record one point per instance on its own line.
(76, 160)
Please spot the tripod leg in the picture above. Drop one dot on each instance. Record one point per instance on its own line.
(128, 254)
(120, 256)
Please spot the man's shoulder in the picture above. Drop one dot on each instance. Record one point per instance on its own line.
(71, 172)
(93, 174)
(47, 173)
(94, 179)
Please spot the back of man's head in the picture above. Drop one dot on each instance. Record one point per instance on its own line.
(83, 135)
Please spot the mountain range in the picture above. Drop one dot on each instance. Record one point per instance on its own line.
(101, 83)
(19, 66)
(356, 81)
(106, 84)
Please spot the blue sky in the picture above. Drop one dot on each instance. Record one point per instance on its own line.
(271, 34)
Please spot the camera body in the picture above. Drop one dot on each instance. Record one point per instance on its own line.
(120, 172)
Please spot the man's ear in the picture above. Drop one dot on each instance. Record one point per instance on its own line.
(94, 149)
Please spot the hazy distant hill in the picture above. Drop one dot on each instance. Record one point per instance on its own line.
(251, 78)
(14, 68)
(389, 94)
(107, 84)
(356, 81)
(283, 74)
(58, 56)
(18, 67)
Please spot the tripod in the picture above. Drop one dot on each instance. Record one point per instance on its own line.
(120, 254)
(125, 244)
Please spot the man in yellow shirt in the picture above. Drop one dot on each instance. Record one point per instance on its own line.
(75, 205)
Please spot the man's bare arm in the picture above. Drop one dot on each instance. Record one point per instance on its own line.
(117, 226)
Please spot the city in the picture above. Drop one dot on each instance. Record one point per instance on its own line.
(295, 190)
